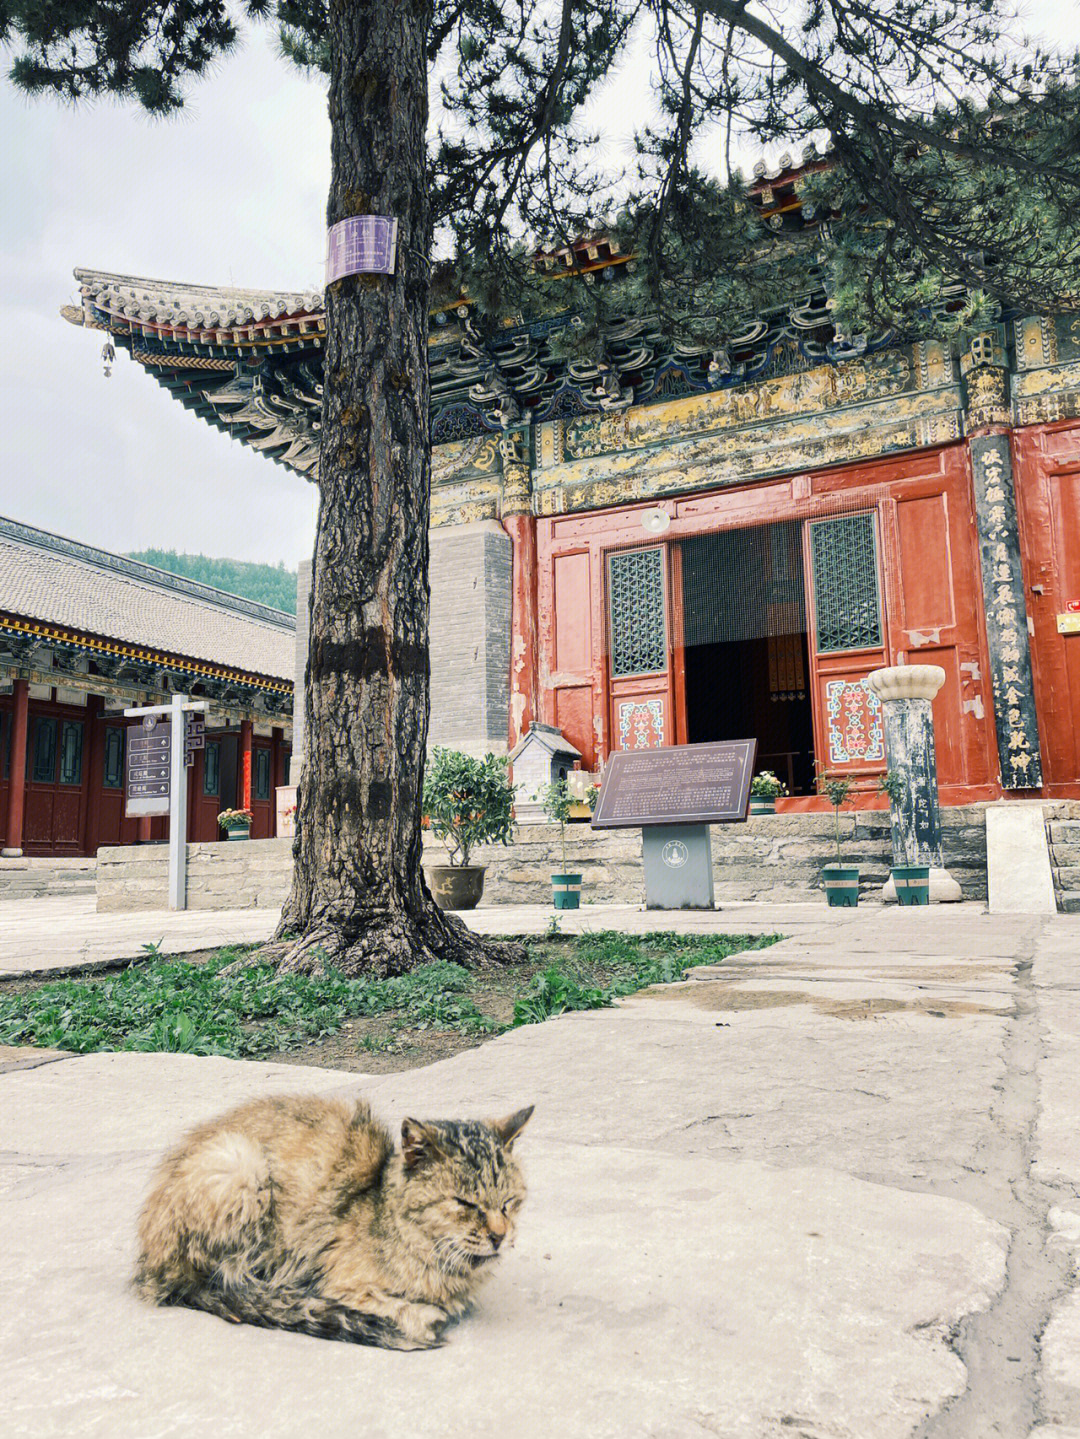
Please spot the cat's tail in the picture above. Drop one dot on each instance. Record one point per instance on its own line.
(288, 1308)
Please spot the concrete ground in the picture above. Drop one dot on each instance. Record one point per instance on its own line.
(828, 1190)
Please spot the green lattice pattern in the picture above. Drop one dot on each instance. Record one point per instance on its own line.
(846, 599)
(638, 631)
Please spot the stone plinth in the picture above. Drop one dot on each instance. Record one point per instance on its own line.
(906, 693)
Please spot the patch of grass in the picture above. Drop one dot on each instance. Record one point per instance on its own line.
(632, 962)
(223, 1007)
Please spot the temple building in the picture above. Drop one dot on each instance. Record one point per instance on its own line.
(84, 634)
(671, 546)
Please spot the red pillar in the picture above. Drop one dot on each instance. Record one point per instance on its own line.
(17, 789)
(144, 835)
(246, 733)
(524, 626)
(94, 772)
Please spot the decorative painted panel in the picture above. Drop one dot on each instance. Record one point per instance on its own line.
(846, 599)
(853, 714)
(640, 724)
(638, 627)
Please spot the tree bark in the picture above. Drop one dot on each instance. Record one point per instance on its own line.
(359, 900)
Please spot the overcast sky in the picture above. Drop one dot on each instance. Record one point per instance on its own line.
(233, 191)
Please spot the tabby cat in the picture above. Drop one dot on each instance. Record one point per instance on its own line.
(297, 1213)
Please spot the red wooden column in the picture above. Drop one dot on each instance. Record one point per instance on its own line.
(524, 640)
(94, 773)
(246, 733)
(17, 790)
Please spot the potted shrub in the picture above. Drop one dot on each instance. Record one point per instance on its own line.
(557, 802)
(764, 788)
(841, 881)
(236, 823)
(467, 802)
(910, 879)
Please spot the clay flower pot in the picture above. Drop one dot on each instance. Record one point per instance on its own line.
(456, 886)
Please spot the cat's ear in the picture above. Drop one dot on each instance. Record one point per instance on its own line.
(418, 1142)
(509, 1129)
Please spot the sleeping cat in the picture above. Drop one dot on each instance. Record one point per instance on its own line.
(297, 1213)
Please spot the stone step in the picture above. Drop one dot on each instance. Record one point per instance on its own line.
(1069, 902)
(33, 878)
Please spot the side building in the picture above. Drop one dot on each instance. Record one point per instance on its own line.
(668, 547)
(85, 634)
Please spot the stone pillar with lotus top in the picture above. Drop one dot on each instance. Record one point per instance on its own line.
(906, 692)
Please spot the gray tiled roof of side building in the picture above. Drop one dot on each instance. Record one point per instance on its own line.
(62, 582)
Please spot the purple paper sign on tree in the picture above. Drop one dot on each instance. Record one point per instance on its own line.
(361, 245)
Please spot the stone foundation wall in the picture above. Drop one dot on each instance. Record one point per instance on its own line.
(774, 857)
(229, 874)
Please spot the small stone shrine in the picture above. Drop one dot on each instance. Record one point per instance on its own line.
(543, 757)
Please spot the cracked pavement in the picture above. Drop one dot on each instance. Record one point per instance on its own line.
(828, 1190)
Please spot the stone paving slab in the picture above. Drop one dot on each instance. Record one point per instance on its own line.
(763, 1203)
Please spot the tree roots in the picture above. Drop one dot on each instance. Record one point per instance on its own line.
(382, 945)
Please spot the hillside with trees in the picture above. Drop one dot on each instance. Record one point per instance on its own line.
(269, 584)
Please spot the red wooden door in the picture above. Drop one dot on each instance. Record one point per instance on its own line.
(262, 790)
(1048, 497)
(847, 639)
(640, 647)
(571, 623)
(55, 789)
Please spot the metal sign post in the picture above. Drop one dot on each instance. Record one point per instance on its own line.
(178, 749)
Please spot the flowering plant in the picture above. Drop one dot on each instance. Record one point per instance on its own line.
(235, 819)
(765, 785)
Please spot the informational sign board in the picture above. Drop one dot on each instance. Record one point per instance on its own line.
(689, 784)
(157, 781)
(149, 762)
(1068, 622)
(361, 245)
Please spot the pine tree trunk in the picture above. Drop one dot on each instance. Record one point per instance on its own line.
(359, 900)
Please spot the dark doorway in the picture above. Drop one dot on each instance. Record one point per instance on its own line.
(747, 657)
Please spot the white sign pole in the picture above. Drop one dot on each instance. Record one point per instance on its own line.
(178, 808)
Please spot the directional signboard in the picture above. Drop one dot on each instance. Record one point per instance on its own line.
(149, 759)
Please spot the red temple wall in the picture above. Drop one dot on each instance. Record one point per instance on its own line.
(931, 598)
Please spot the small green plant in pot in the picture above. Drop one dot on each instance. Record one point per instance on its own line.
(841, 881)
(236, 823)
(557, 800)
(765, 789)
(467, 801)
(911, 880)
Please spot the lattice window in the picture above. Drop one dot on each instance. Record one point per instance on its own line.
(71, 747)
(638, 631)
(846, 599)
(114, 757)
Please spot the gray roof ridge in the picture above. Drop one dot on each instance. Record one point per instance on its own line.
(144, 573)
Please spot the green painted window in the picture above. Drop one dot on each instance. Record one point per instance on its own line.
(847, 602)
(71, 748)
(211, 780)
(41, 755)
(114, 757)
(262, 774)
(638, 625)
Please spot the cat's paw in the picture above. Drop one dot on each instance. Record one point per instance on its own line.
(422, 1324)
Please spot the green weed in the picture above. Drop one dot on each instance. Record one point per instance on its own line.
(216, 1008)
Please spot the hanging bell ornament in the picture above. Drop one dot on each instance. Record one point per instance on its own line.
(108, 355)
